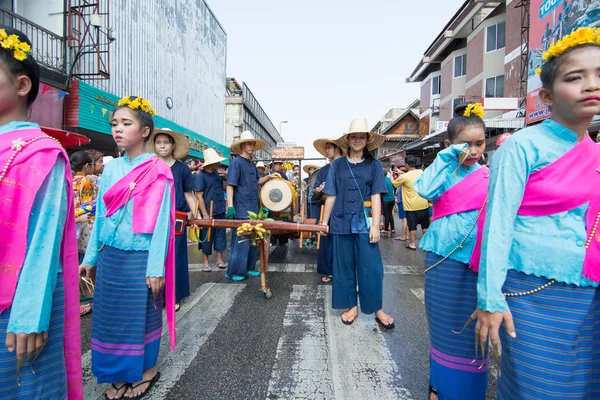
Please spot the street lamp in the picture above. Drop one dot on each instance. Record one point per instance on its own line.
(281, 122)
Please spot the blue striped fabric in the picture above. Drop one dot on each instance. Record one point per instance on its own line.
(556, 354)
(450, 298)
(126, 326)
(49, 380)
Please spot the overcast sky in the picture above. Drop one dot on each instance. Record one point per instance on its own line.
(318, 64)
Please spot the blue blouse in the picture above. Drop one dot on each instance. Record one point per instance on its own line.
(347, 216)
(243, 176)
(183, 182)
(32, 303)
(444, 234)
(210, 184)
(123, 238)
(550, 246)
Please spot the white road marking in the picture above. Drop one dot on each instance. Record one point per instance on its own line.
(304, 268)
(320, 358)
(420, 293)
(196, 321)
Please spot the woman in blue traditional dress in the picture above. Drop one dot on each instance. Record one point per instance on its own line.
(242, 196)
(450, 285)
(132, 246)
(171, 146)
(40, 345)
(353, 188)
(540, 264)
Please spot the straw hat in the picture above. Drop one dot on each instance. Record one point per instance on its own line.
(276, 195)
(261, 164)
(309, 166)
(182, 143)
(321, 145)
(360, 125)
(211, 157)
(246, 137)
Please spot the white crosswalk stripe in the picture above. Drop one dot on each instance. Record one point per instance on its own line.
(288, 267)
(420, 293)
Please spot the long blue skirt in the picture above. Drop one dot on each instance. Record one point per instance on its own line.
(49, 380)
(450, 298)
(242, 256)
(182, 273)
(126, 322)
(556, 354)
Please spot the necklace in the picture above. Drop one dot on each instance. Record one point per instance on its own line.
(17, 146)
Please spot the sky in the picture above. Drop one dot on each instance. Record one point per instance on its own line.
(319, 64)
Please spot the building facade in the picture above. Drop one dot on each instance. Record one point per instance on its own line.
(244, 113)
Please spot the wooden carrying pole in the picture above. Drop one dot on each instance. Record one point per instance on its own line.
(210, 216)
(320, 221)
(270, 225)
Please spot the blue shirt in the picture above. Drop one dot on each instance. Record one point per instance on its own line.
(243, 176)
(123, 237)
(444, 234)
(32, 304)
(347, 216)
(549, 246)
(183, 182)
(389, 195)
(210, 184)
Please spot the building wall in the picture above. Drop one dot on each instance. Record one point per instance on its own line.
(234, 121)
(512, 60)
(46, 13)
(452, 87)
(424, 127)
(401, 128)
(425, 97)
(169, 49)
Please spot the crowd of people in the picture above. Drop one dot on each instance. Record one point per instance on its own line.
(514, 247)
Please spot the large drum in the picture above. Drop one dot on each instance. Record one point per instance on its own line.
(277, 195)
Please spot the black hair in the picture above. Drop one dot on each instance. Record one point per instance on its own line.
(171, 140)
(410, 161)
(550, 68)
(144, 118)
(79, 159)
(460, 122)
(28, 67)
(367, 156)
(96, 155)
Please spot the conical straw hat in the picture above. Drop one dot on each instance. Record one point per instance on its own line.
(182, 143)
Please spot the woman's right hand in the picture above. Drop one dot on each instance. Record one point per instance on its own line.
(25, 344)
(85, 270)
(488, 324)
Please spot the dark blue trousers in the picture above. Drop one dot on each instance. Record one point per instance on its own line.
(355, 260)
(218, 238)
(242, 256)
(325, 256)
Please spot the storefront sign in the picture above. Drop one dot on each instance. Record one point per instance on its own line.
(287, 153)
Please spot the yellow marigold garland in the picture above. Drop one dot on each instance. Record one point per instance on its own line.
(21, 50)
(577, 38)
(474, 109)
(137, 104)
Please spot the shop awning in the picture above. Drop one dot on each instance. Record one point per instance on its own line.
(66, 138)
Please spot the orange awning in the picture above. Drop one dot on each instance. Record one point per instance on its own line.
(66, 138)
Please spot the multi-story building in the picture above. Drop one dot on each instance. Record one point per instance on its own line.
(475, 58)
(95, 51)
(244, 113)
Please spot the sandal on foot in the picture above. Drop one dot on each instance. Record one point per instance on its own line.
(253, 274)
(350, 318)
(401, 238)
(408, 246)
(221, 265)
(177, 307)
(206, 268)
(385, 323)
(145, 392)
(326, 279)
(117, 390)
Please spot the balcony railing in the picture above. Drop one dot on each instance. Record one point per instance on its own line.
(46, 47)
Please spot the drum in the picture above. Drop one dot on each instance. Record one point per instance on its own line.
(277, 195)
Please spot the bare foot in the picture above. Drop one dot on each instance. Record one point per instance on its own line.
(350, 315)
(384, 319)
(433, 396)
(146, 376)
(119, 392)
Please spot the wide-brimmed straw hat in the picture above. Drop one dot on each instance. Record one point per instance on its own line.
(321, 145)
(182, 143)
(260, 164)
(360, 125)
(309, 166)
(246, 137)
(211, 157)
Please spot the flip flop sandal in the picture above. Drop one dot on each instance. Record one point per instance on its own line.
(151, 382)
(326, 279)
(221, 265)
(401, 238)
(348, 321)
(385, 323)
(117, 389)
(408, 246)
(206, 268)
(85, 309)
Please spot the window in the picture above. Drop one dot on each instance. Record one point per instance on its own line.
(460, 65)
(435, 85)
(455, 103)
(494, 86)
(496, 37)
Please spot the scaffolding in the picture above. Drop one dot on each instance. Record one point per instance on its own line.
(524, 59)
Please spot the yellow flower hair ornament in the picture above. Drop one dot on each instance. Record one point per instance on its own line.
(577, 38)
(137, 103)
(21, 50)
(475, 109)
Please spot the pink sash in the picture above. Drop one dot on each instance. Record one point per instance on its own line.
(29, 168)
(149, 180)
(559, 187)
(467, 195)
